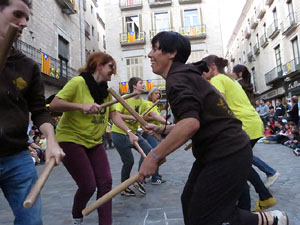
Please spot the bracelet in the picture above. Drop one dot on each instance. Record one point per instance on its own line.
(127, 131)
(154, 155)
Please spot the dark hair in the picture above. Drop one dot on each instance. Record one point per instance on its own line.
(245, 72)
(133, 81)
(271, 107)
(94, 59)
(5, 3)
(170, 41)
(219, 61)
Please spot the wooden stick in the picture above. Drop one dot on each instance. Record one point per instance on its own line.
(131, 110)
(116, 101)
(187, 146)
(140, 150)
(154, 104)
(35, 191)
(115, 191)
(5, 46)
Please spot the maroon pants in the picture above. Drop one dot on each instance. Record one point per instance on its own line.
(90, 170)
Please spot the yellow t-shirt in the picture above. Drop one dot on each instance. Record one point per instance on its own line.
(139, 105)
(154, 109)
(239, 103)
(77, 127)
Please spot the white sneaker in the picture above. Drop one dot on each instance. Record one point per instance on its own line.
(281, 217)
(78, 221)
(271, 179)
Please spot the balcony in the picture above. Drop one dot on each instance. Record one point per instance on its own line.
(247, 33)
(274, 75)
(253, 22)
(263, 41)
(155, 32)
(54, 72)
(261, 10)
(132, 38)
(273, 30)
(189, 1)
(130, 4)
(256, 49)
(194, 32)
(149, 84)
(269, 2)
(250, 57)
(158, 3)
(291, 67)
(67, 6)
(87, 29)
(289, 24)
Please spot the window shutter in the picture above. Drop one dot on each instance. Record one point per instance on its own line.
(170, 20)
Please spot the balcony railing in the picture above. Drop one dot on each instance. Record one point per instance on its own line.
(263, 41)
(261, 10)
(269, 2)
(250, 57)
(54, 72)
(273, 75)
(130, 4)
(247, 33)
(67, 6)
(273, 30)
(155, 32)
(158, 3)
(289, 24)
(194, 32)
(132, 38)
(291, 66)
(253, 22)
(189, 1)
(256, 49)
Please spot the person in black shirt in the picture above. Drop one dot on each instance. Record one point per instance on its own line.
(280, 109)
(220, 146)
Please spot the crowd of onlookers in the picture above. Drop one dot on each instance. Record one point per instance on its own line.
(281, 122)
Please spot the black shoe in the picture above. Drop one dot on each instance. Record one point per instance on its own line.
(140, 187)
(128, 192)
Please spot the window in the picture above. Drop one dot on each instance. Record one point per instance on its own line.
(244, 57)
(191, 19)
(63, 55)
(92, 9)
(253, 78)
(257, 40)
(278, 59)
(104, 42)
(133, 25)
(161, 21)
(84, 5)
(196, 56)
(290, 7)
(295, 47)
(93, 30)
(275, 19)
(135, 67)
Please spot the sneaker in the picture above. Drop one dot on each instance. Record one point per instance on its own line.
(279, 217)
(266, 141)
(271, 179)
(78, 221)
(140, 187)
(128, 192)
(262, 205)
(297, 151)
(158, 181)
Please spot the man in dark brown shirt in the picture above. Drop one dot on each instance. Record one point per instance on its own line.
(220, 146)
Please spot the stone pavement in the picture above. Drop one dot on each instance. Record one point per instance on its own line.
(161, 205)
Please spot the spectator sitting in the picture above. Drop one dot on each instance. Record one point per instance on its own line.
(294, 142)
(293, 114)
(31, 135)
(271, 117)
(34, 155)
(280, 137)
(36, 145)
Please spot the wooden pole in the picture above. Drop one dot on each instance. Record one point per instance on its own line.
(140, 150)
(35, 191)
(116, 101)
(154, 104)
(131, 110)
(7, 43)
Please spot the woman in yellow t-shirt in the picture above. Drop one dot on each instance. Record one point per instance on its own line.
(239, 103)
(80, 131)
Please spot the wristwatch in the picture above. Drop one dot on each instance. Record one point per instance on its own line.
(127, 131)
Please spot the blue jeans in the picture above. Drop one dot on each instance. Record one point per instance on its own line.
(17, 176)
(123, 146)
(264, 167)
(153, 142)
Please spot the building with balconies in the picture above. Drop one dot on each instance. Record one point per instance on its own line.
(274, 58)
(133, 23)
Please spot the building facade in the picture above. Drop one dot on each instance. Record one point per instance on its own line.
(133, 23)
(56, 39)
(266, 40)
